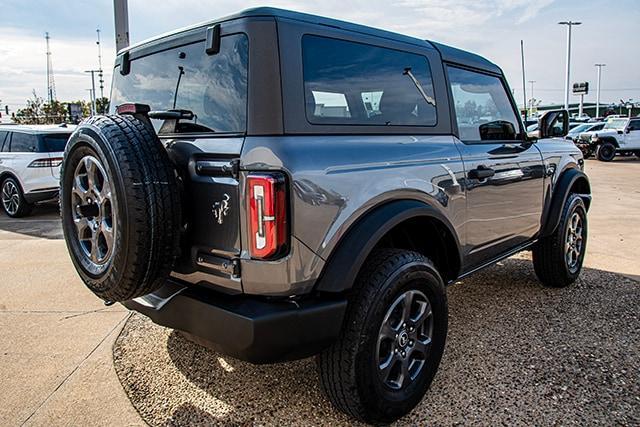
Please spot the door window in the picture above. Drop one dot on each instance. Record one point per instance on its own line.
(23, 143)
(483, 110)
(349, 83)
(634, 125)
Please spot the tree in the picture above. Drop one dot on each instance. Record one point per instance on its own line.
(33, 113)
(102, 105)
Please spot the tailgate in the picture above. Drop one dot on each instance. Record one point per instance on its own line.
(211, 204)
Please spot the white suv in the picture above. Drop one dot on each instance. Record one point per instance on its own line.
(30, 159)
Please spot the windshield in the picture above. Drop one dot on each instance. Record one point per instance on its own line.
(54, 142)
(212, 87)
(580, 128)
(615, 124)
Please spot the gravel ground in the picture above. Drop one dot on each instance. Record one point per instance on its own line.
(516, 354)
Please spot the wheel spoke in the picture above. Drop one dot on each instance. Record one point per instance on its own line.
(94, 247)
(388, 331)
(81, 224)
(423, 314)
(405, 377)
(387, 366)
(422, 346)
(91, 173)
(107, 233)
(407, 301)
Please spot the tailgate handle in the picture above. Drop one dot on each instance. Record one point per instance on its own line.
(217, 168)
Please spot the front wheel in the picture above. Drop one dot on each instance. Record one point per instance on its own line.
(557, 259)
(606, 152)
(392, 340)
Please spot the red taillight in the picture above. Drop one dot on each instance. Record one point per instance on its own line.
(47, 162)
(267, 215)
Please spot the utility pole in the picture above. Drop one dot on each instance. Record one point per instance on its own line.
(524, 89)
(532, 99)
(567, 80)
(121, 19)
(51, 85)
(100, 75)
(93, 91)
(598, 88)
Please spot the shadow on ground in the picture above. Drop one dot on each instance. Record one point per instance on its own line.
(43, 222)
(516, 353)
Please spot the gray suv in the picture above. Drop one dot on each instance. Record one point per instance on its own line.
(278, 185)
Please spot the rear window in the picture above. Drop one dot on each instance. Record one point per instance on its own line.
(358, 84)
(212, 87)
(54, 142)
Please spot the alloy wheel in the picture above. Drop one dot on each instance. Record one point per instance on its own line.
(404, 340)
(10, 197)
(93, 212)
(574, 241)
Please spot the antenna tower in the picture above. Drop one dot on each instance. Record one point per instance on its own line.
(51, 84)
(100, 75)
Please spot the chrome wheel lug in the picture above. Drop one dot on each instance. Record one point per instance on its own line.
(403, 354)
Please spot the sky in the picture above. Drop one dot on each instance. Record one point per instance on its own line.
(610, 34)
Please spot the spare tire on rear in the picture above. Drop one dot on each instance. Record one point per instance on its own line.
(120, 207)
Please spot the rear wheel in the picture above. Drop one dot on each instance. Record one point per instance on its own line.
(120, 207)
(606, 152)
(13, 201)
(392, 339)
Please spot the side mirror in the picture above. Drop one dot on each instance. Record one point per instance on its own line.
(553, 124)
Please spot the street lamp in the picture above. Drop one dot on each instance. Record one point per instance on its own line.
(598, 88)
(569, 24)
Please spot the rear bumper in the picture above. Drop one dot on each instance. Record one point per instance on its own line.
(251, 329)
(35, 196)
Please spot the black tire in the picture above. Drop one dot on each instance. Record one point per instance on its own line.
(550, 254)
(606, 152)
(12, 199)
(140, 208)
(349, 370)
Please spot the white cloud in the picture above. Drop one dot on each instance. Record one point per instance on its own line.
(23, 66)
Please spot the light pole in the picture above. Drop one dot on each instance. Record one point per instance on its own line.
(93, 91)
(121, 20)
(598, 88)
(569, 24)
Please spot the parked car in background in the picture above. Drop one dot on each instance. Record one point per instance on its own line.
(30, 159)
(619, 135)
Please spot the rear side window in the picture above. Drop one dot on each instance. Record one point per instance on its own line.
(634, 125)
(483, 109)
(4, 140)
(212, 87)
(23, 143)
(347, 83)
(55, 142)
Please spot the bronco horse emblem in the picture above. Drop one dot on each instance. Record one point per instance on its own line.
(221, 209)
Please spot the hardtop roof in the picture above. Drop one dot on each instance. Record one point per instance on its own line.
(448, 53)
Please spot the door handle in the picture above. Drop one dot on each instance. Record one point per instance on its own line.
(481, 172)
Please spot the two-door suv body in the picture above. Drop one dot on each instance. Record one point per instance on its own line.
(278, 185)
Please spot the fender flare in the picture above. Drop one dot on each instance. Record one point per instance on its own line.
(346, 260)
(561, 192)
